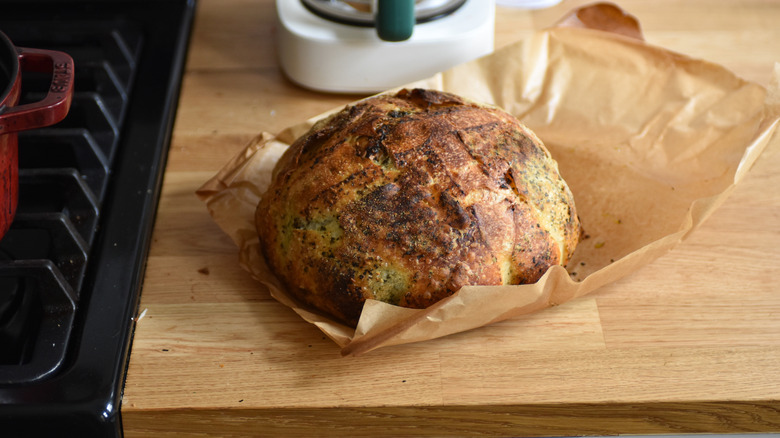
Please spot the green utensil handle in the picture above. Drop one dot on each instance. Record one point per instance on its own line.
(395, 19)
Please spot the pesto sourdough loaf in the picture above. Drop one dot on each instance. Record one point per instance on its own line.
(405, 198)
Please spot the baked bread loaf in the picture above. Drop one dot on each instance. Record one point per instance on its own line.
(405, 198)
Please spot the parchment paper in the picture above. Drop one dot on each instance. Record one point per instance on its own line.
(649, 141)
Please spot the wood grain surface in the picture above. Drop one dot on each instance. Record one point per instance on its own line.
(688, 344)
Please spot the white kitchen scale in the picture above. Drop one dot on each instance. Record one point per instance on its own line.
(334, 46)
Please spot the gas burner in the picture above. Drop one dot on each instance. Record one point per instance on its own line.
(13, 302)
(72, 262)
(36, 327)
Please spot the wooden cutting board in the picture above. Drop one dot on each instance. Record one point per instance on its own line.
(688, 344)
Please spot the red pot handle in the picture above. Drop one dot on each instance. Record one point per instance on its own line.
(54, 107)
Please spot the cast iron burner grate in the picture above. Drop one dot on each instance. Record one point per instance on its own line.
(72, 263)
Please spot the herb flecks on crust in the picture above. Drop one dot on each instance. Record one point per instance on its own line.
(406, 198)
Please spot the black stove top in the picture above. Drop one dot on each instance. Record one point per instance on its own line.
(72, 264)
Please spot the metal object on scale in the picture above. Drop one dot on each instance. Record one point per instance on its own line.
(359, 46)
(394, 19)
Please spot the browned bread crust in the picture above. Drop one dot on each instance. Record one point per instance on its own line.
(406, 198)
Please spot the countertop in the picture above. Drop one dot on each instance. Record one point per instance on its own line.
(687, 344)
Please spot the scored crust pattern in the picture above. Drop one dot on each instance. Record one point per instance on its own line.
(405, 198)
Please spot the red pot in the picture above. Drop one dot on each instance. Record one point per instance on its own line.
(53, 108)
